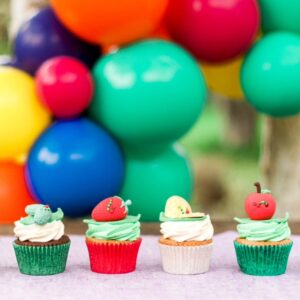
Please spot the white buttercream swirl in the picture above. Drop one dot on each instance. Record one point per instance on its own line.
(39, 233)
(182, 231)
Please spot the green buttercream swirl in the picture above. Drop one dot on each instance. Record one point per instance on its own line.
(163, 218)
(273, 230)
(127, 229)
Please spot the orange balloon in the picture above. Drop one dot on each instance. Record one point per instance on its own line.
(14, 194)
(109, 22)
(159, 32)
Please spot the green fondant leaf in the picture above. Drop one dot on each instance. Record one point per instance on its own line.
(277, 220)
(266, 191)
(163, 218)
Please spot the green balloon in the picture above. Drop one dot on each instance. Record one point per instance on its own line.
(152, 178)
(280, 15)
(270, 75)
(150, 92)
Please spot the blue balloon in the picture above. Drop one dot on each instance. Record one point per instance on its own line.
(43, 37)
(74, 165)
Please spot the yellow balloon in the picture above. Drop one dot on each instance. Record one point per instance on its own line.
(224, 79)
(22, 116)
(21, 159)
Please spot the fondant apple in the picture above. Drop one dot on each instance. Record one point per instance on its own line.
(111, 209)
(260, 205)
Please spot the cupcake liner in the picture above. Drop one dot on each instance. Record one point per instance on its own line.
(186, 259)
(113, 258)
(266, 260)
(42, 260)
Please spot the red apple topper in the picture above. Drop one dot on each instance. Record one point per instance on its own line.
(111, 209)
(260, 205)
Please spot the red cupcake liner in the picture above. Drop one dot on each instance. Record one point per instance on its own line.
(113, 258)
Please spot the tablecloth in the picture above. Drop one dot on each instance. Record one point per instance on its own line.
(223, 281)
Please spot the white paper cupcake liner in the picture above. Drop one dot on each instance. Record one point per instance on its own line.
(186, 259)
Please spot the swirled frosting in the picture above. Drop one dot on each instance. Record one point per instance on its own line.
(182, 231)
(273, 230)
(127, 229)
(39, 233)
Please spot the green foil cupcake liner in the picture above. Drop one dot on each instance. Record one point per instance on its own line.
(262, 260)
(42, 260)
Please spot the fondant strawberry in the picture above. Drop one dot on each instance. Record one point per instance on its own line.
(111, 209)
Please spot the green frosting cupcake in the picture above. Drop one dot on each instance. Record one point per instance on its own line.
(264, 244)
(263, 259)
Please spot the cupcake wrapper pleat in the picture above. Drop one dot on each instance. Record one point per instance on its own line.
(113, 258)
(186, 259)
(42, 260)
(262, 260)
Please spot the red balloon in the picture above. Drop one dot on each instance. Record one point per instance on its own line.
(65, 86)
(14, 194)
(213, 30)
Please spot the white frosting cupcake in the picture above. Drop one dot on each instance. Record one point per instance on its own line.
(186, 244)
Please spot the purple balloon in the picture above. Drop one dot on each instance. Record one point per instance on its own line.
(43, 37)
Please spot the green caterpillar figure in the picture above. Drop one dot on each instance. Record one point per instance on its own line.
(41, 214)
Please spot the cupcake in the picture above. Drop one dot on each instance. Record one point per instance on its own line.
(113, 237)
(41, 246)
(264, 243)
(186, 243)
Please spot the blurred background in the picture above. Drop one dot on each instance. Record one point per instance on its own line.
(230, 144)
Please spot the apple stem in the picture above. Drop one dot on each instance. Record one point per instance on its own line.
(258, 187)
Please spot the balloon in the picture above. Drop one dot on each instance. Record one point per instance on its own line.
(43, 37)
(22, 117)
(14, 195)
(214, 31)
(110, 22)
(65, 86)
(280, 15)
(224, 78)
(74, 165)
(160, 32)
(271, 75)
(5, 60)
(151, 179)
(150, 92)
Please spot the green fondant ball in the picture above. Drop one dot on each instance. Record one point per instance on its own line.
(151, 179)
(270, 75)
(151, 91)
